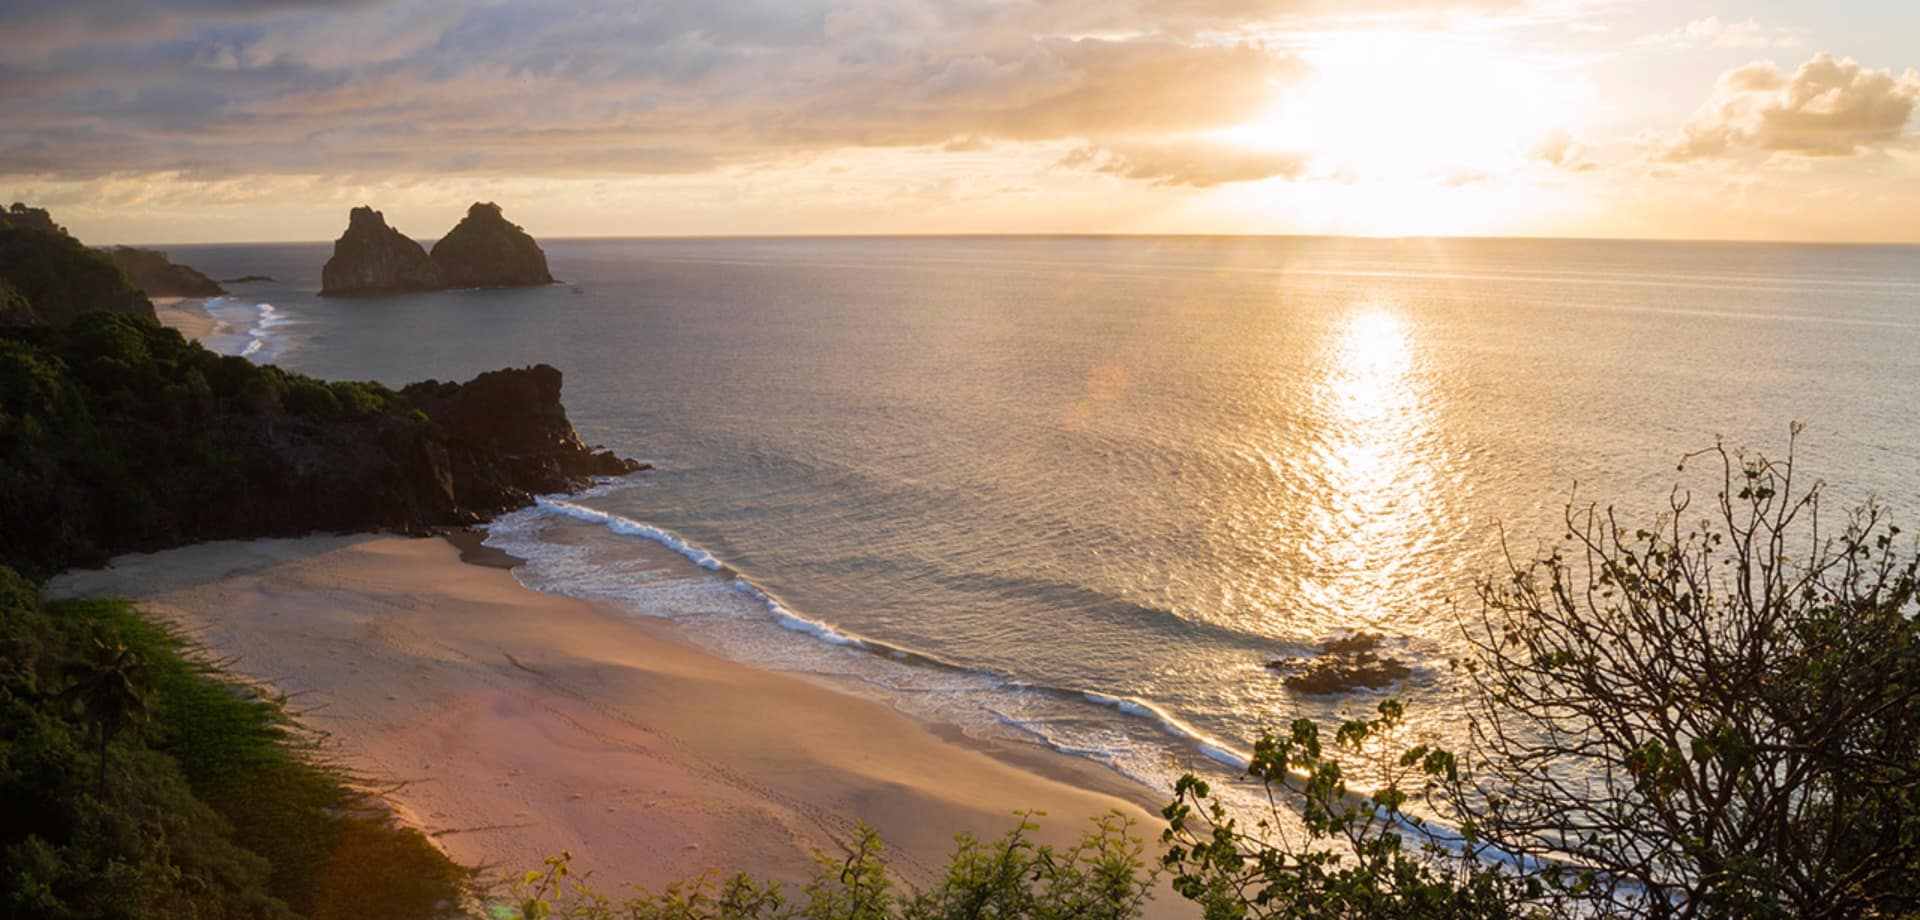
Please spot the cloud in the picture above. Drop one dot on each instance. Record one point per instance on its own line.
(1559, 149)
(1712, 33)
(1825, 108)
(214, 89)
(26, 25)
(1195, 164)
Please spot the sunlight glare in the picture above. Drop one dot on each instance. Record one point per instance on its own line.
(1398, 105)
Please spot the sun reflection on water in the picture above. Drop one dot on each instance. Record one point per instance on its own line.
(1372, 505)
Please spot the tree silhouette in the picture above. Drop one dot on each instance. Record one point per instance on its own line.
(113, 687)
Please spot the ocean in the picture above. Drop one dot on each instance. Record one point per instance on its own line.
(1079, 491)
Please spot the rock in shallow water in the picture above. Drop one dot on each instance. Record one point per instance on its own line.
(1343, 665)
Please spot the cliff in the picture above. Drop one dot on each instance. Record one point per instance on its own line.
(372, 258)
(47, 277)
(158, 276)
(118, 435)
(487, 250)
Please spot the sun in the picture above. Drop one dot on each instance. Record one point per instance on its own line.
(1395, 106)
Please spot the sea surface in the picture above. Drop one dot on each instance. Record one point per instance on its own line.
(1080, 491)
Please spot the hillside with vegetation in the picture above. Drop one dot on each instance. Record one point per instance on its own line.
(140, 782)
(47, 278)
(118, 435)
(157, 275)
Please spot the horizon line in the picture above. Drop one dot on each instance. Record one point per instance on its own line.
(1385, 238)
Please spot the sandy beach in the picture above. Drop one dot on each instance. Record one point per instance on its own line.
(184, 314)
(512, 724)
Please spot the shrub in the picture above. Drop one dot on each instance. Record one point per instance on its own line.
(1101, 877)
(1740, 690)
(212, 807)
(362, 398)
(307, 396)
(1711, 719)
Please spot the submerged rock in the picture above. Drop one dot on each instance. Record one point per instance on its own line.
(487, 250)
(373, 258)
(1343, 665)
(156, 275)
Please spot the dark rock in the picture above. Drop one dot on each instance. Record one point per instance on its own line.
(1343, 665)
(487, 250)
(47, 277)
(508, 437)
(131, 439)
(373, 258)
(243, 279)
(158, 276)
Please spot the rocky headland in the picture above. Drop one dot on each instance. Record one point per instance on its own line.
(156, 275)
(124, 437)
(487, 250)
(373, 258)
(119, 435)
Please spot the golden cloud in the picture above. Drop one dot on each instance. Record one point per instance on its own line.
(1194, 164)
(1827, 107)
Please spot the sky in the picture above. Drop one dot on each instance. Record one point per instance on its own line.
(178, 121)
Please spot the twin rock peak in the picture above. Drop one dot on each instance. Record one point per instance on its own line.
(483, 250)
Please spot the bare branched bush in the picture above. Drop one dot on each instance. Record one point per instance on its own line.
(1717, 716)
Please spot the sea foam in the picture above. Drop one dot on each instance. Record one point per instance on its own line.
(1138, 739)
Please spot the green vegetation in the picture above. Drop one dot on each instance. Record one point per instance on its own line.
(116, 422)
(1100, 878)
(1711, 719)
(1353, 855)
(158, 276)
(48, 278)
(139, 783)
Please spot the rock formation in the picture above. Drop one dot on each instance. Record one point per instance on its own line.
(373, 258)
(1343, 665)
(47, 277)
(487, 250)
(158, 276)
(508, 438)
(127, 438)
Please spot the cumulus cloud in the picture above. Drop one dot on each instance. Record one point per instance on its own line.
(1826, 108)
(1712, 33)
(1558, 148)
(1195, 164)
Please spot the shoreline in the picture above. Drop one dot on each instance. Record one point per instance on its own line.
(188, 315)
(513, 724)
